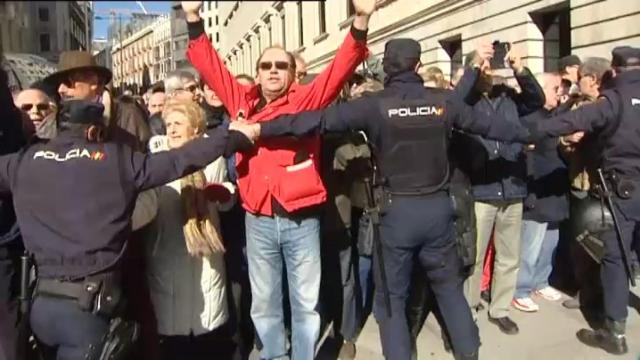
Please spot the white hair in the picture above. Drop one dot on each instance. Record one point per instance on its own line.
(175, 80)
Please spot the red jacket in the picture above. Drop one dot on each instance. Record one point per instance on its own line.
(270, 170)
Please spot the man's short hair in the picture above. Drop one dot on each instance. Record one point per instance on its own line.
(434, 74)
(175, 80)
(597, 67)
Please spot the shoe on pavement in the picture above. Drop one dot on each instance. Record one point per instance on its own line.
(573, 303)
(505, 324)
(347, 351)
(525, 304)
(548, 293)
(611, 338)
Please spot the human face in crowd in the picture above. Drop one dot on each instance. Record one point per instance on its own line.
(210, 96)
(179, 129)
(274, 73)
(571, 73)
(301, 69)
(84, 85)
(189, 91)
(36, 105)
(589, 85)
(552, 90)
(156, 103)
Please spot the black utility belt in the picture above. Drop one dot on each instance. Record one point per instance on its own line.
(97, 294)
(619, 186)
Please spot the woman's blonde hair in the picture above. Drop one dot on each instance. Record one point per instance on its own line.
(201, 227)
(190, 109)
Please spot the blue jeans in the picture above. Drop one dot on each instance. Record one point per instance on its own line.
(269, 240)
(538, 246)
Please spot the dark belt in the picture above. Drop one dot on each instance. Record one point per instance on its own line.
(99, 294)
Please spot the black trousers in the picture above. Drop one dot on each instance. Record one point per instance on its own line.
(64, 331)
(217, 344)
(421, 228)
(9, 287)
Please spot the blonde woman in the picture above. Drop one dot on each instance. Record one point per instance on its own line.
(185, 252)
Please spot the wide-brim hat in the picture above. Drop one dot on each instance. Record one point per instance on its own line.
(71, 61)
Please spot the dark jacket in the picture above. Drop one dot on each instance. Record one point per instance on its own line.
(615, 117)
(74, 199)
(546, 178)
(365, 114)
(497, 168)
(129, 116)
(11, 140)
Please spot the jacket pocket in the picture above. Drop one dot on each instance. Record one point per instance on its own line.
(299, 181)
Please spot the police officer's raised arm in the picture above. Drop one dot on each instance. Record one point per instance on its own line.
(588, 118)
(492, 126)
(152, 170)
(360, 114)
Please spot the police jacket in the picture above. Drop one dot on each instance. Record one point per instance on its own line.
(615, 118)
(498, 168)
(408, 127)
(547, 176)
(11, 140)
(74, 199)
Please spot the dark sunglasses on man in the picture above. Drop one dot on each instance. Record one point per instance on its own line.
(191, 88)
(268, 65)
(39, 107)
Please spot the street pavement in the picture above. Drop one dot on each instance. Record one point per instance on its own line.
(548, 334)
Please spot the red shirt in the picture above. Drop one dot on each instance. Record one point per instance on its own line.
(270, 169)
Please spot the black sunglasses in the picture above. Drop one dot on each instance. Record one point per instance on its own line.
(39, 107)
(268, 65)
(192, 88)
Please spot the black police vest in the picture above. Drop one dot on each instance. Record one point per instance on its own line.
(622, 146)
(415, 158)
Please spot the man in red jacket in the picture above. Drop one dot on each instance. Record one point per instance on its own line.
(279, 181)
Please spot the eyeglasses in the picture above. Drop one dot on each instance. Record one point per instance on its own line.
(39, 107)
(268, 65)
(191, 88)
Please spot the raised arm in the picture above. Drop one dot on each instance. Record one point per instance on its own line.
(491, 126)
(152, 170)
(206, 60)
(351, 53)
(359, 114)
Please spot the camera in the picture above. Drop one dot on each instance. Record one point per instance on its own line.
(500, 52)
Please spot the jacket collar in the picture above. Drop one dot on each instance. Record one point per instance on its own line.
(627, 77)
(404, 78)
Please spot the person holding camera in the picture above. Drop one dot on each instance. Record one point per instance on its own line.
(498, 174)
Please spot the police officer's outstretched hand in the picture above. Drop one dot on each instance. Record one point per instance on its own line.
(241, 137)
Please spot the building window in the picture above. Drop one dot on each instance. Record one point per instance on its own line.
(45, 43)
(217, 37)
(322, 17)
(554, 24)
(300, 25)
(43, 14)
(453, 47)
(351, 10)
(210, 22)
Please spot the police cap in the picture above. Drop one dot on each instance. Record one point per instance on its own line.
(569, 60)
(401, 49)
(623, 56)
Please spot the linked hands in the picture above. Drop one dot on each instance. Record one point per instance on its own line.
(250, 130)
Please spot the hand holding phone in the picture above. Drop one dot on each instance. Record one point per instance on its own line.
(501, 50)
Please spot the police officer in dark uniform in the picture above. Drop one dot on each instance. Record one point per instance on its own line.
(614, 118)
(408, 127)
(74, 196)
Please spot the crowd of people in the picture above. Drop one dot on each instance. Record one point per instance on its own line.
(215, 213)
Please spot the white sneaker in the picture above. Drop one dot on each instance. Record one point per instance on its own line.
(549, 294)
(525, 304)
